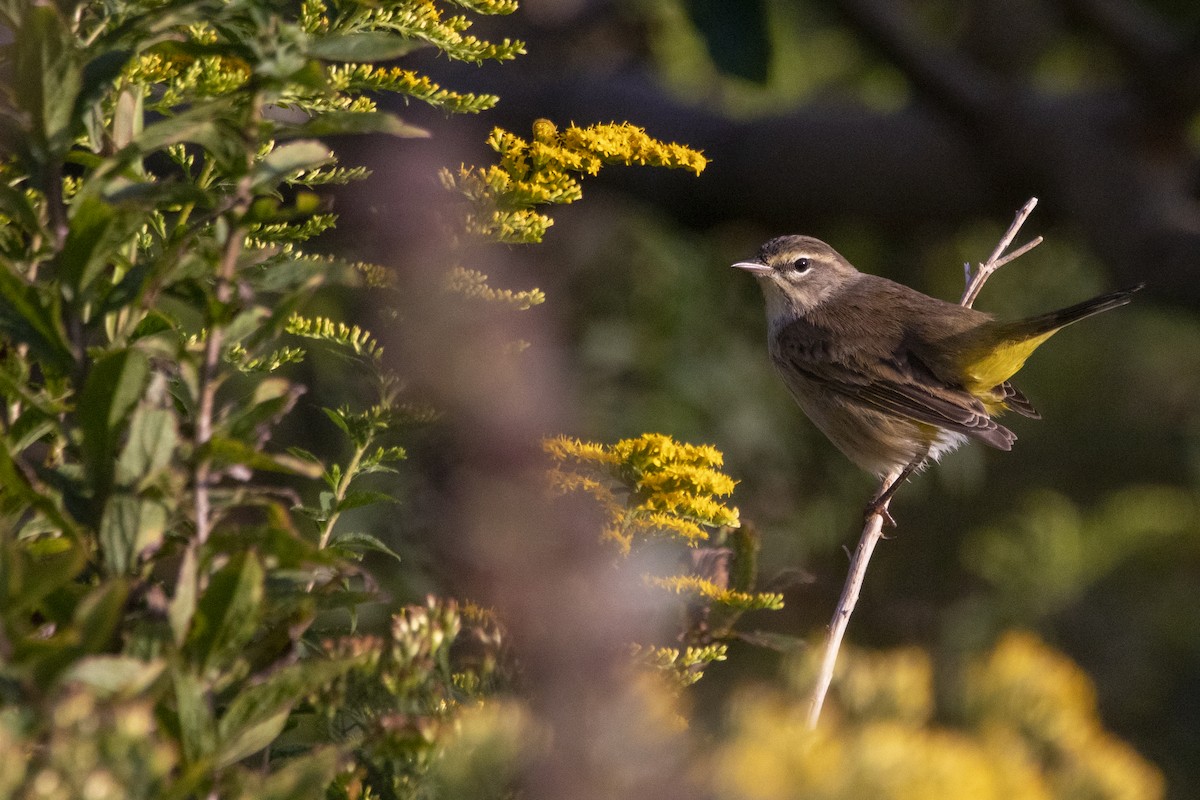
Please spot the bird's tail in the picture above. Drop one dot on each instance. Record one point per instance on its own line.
(1003, 347)
(1054, 320)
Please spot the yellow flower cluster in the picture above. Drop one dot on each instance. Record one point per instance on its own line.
(327, 330)
(420, 20)
(730, 598)
(1030, 731)
(183, 78)
(686, 666)
(369, 78)
(500, 198)
(473, 284)
(650, 484)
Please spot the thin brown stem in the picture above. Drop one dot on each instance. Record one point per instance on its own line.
(871, 534)
(209, 378)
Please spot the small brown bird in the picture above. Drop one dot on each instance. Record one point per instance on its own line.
(894, 377)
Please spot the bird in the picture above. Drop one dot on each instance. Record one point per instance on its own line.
(895, 378)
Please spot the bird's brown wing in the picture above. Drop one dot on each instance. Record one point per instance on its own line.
(887, 376)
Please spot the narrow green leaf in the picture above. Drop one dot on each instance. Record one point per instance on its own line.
(99, 613)
(252, 736)
(338, 418)
(306, 778)
(197, 727)
(16, 206)
(153, 436)
(17, 485)
(779, 642)
(32, 570)
(97, 230)
(361, 543)
(183, 604)
(98, 76)
(110, 393)
(26, 317)
(226, 452)
(115, 675)
(257, 715)
(365, 46)
(289, 159)
(358, 499)
(129, 526)
(228, 611)
(47, 76)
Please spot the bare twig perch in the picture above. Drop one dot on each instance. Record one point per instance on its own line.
(873, 529)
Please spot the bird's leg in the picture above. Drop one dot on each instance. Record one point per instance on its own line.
(879, 505)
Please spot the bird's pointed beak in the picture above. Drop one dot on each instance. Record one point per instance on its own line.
(756, 267)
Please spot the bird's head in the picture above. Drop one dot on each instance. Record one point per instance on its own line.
(797, 273)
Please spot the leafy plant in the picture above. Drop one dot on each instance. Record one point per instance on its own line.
(178, 601)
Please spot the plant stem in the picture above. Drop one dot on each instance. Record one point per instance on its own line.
(339, 493)
(209, 379)
(872, 533)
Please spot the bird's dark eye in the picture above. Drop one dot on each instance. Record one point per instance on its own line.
(801, 264)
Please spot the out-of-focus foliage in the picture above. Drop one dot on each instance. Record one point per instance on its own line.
(183, 606)
(1018, 722)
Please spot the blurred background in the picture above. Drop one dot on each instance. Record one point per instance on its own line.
(905, 134)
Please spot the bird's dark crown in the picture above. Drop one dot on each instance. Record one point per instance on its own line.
(790, 247)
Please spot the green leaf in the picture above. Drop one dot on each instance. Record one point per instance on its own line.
(99, 614)
(358, 499)
(115, 675)
(29, 571)
(340, 123)
(183, 603)
(153, 435)
(129, 526)
(364, 46)
(226, 452)
(779, 642)
(17, 485)
(46, 79)
(112, 390)
(338, 418)
(197, 728)
(128, 117)
(97, 230)
(257, 715)
(98, 76)
(26, 317)
(272, 398)
(289, 159)
(228, 611)
(361, 543)
(16, 206)
(306, 778)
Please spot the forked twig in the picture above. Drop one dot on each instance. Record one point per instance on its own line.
(873, 529)
(997, 259)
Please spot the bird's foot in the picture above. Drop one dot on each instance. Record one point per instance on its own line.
(879, 507)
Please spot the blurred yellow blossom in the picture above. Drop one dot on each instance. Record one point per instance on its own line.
(1029, 731)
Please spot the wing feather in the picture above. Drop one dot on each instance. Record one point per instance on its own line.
(889, 378)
